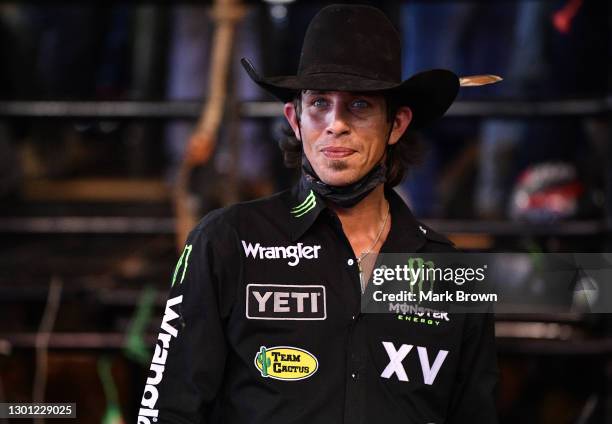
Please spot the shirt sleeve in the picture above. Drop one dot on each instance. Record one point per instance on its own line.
(187, 366)
(474, 395)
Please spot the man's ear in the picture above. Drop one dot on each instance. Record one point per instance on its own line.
(401, 121)
(292, 118)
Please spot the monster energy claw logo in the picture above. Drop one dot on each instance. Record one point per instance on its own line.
(419, 271)
(184, 257)
(306, 206)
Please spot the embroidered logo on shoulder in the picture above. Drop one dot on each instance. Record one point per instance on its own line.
(285, 363)
(184, 262)
(306, 206)
(286, 302)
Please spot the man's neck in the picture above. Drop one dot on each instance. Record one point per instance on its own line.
(362, 223)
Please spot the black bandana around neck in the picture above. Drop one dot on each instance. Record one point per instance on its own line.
(344, 196)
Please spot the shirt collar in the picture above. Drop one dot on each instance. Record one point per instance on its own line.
(406, 234)
(304, 206)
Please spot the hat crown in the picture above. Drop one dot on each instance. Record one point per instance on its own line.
(355, 40)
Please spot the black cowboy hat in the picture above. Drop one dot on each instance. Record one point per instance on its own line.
(356, 48)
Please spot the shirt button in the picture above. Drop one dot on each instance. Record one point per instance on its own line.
(350, 262)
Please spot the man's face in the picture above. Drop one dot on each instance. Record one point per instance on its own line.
(344, 134)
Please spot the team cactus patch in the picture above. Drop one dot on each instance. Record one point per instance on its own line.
(285, 363)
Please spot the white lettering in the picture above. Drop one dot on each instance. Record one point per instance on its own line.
(250, 250)
(395, 361)
(170, 315)
(262, 300)
(313, 302)
(294, 252)
(150, 395)
(307, 252)
(160, 355)
(143, 420)
(288, 301)
(416, 275)
(430, 372)
(150, 401)
(475, 297)
(165, 339)
(281, 302)
(158, 369)
(396, 357)
(148, 412)
(300, 300)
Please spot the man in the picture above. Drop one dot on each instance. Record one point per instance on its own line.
(263, 322)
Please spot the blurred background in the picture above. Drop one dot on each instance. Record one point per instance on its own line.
(121, 125)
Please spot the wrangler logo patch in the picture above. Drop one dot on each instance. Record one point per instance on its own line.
(293, 253)
(285, 363)
(285, 302)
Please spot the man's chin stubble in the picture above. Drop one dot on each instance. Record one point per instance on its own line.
(338, 165)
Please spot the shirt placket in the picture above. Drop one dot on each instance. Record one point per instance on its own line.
(356, 359)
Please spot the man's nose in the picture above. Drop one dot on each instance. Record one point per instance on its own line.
(337, 121)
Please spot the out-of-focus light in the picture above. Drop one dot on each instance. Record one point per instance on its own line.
(278, 12)
(279, 1)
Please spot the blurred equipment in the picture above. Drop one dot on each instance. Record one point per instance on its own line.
(562, 19)
(136, 347)
(112, 415)
(477, 80)
(42, 341)
(546, 192)
(226, 13)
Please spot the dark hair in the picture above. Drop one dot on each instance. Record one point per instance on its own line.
(401, 156)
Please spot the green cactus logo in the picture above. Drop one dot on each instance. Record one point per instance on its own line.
(263, 361)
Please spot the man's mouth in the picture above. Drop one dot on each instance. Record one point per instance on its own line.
(337, 152)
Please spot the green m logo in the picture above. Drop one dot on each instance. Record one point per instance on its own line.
(184, 261)
(417, 268)
(306, 206)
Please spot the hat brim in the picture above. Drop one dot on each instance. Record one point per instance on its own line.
(429, 94)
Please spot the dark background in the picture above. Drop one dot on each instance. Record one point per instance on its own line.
(97, 103)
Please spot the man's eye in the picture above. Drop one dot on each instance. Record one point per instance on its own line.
(319, 102)
(360, 104)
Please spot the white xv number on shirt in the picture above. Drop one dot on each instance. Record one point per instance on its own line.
(396, 356)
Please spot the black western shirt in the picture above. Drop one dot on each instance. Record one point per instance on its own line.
(263, 325)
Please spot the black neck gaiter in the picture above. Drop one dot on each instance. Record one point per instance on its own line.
(344, 196)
